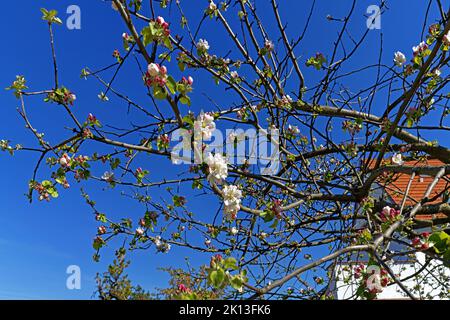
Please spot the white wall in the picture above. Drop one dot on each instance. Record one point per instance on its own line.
(434, 281)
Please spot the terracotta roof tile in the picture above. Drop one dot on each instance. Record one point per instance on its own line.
(398, 186)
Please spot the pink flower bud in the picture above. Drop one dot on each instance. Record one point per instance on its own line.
(91, 118)
(416, 241)
(425, 234)
(153, 69)
(182, 288)
(64, 160)
(160, 20)
(101, 230)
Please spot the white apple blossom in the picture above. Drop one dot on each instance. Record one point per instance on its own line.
(286, 99)
(204, 125)
(268, 45)
(212, 6)
(160, 245)
(108, 176)
(399, 58)
(236, 137)
(234, 231)
(420, 48)
(386, 211)
(232, 196)
(103, 97)
(234, 74)
(139, 231)
(446, 39)
(218, 169)
(153, 69)
(397, 159)
(160, 20)
(437, 72)
(64, 161)
(294, 130)
(202, 45)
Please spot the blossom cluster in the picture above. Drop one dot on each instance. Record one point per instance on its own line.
(420, 48)
(286, 101)
(217, 168)
(155, 75)
(293, 130)
(389, 214)
(397, 159)
(161, 246)
(232, 196)
(205, 125)
(62, 96)
(164, 25)
(421, 241)
(202, 46)
(446, 39)
(372, 282)
(399, 58)
(64, 161)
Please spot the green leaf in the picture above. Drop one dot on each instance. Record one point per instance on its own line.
(171, 84)
(185, 100)
(440, 240)
(267, 215)
(178, 201)
(101, 217)
(165, 56)
(230, 263)
(97, 245)
(446, 258)
(167, 43)
(114, 162)
(188, 120)
(236, 282)
(217, 277)
(50, 16)
(47, 183)
(148, 35)
(182, 66)
(54, 193)
(159, 93)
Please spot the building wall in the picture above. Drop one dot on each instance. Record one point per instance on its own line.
(434, 281)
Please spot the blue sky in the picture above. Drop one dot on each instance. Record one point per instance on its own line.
(38, 241)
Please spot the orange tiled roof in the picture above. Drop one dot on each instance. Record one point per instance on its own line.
(398, 186)
(419, 185)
